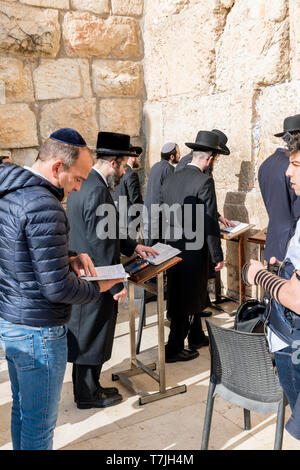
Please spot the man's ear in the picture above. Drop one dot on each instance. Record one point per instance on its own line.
(56, 168)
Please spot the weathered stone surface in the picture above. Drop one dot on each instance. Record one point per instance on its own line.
(86, 35)
(63, 4)
(276, 103)
(179, 41)
(24, 156)
(294, 9)
(29, 31)
(2, 92)
(121, 115)
(117, 78)
(96, 6)
(230, 112)
(153, 116)
(254, 47)
(59, 78)
(17, 126)
(128, 8)
(80, 114)
(17, 78)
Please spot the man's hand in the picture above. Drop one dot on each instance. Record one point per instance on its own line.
(226, 222)
(219, 266)
(121, 296)
(82, 261)
(254, 267)
(144, 251)
(106, 285)
(274, 261)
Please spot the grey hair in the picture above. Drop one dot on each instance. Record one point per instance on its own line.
(197, 155)
(52, 149)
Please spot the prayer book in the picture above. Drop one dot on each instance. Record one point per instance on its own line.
(105, 273)
(237, 228)
(165, 252)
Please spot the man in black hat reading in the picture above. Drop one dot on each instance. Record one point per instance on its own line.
(94, 222)
(281, 202)
(170, 155)
(192, 191)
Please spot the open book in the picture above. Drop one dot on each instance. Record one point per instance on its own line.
(105, 273)
(165, 252)
(237, 228)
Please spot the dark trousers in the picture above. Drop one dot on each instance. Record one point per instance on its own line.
(85, 381)
(183, 326)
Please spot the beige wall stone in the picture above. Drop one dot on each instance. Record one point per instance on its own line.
(63, 4)
(294, 9)
(100, 7)
(121, 115)
(24, 156)
(117, 78)
(179, 41)
(254, 47)
(87, 35)
(55, 79)
(154, 130)
(2, 92)
(17, 126)
(80, 114)
(29, 31)
(128, 8)
(17, 78)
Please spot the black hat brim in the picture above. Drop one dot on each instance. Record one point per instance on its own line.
(225, 150)
(281, 134)
(194, 146)
(101, 152)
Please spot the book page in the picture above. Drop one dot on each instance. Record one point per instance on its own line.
(166, 252)
(238, 226)
(104, 273)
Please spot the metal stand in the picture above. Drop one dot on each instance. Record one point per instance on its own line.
(137, 367)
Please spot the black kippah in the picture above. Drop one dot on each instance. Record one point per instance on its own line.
(68, 136)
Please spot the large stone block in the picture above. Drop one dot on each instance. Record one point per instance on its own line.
(121, 115)
(80, 114)
(128, 8)
(29, 31)
(100, 7)
(153, 116)
(17, 78)
(254, 47)
(63, 4)
(54, 79)
(17, 126)
(117, 78)
(179, 40)
(24, 156)
(87, 35)
(276, 103)
(2, 92)
(294, 8)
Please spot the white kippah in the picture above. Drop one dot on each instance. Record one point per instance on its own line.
(169, 147)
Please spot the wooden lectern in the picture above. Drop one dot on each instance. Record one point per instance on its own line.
(136, 366)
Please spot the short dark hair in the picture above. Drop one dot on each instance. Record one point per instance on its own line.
(166, 156)
(52, 148)
(3, 157)
(294, 145)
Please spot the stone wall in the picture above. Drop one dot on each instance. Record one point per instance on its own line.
(68, 63)
(227, 64)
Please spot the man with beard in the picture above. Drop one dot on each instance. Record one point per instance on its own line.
(91, 329)
(129, 187)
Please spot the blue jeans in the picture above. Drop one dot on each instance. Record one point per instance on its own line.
(37, 358)
(288, 367)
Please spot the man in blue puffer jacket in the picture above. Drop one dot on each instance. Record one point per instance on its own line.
(40, 281)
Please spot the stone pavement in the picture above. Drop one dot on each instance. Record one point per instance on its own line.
(154, 426)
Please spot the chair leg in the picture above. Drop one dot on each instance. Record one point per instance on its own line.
(208, 416)
(279, 425)
(247, 420)
(141, 324)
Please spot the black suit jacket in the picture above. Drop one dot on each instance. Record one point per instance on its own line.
(184, 161)
(281, 202)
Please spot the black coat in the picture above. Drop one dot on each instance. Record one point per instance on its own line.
(282, 204)
(187, 281)
(184, 161)
(92, 327)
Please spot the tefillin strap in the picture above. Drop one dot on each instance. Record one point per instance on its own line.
(269, 282)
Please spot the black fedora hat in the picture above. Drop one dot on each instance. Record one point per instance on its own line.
(222, 141)
(290, 124)
(136, 149)
(113, 144)
(206, 140)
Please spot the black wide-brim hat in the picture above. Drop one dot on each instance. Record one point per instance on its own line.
(290, 124)
(222, 141)
(136, 149)
(206, 141)
(113, 144)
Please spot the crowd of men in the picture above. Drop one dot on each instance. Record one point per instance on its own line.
(50, 316)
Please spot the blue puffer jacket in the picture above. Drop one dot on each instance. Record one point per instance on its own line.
(37, 287)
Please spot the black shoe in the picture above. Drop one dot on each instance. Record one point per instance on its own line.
(100, 401)
(184, 355)
(206, 314)
(109, 391)
(200, 344)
